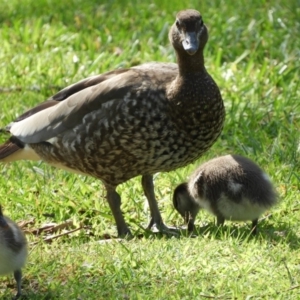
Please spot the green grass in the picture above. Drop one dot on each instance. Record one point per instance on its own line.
(253, 54)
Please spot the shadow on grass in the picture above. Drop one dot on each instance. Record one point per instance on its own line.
(241, 232)
(279, 234)
(265, 231)
(47, 295)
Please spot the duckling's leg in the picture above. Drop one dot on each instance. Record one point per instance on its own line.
(188, 219)
(220, 221)
(254, 226)
(114, 201)
(156, 219)
(191, 225)
(18, 278)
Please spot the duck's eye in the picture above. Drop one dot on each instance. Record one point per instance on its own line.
(177, 24)
(199, 25)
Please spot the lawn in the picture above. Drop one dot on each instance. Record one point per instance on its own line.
(253, 54)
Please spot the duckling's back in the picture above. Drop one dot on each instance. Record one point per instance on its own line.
(233, 187)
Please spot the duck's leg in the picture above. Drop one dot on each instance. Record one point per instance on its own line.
(18, 278)
(114, 201)
(254, 226)
(156, 219)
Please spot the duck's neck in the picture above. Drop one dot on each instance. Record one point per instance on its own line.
(188, 64)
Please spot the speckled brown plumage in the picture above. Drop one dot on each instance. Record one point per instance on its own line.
(151, 118)
(231, 187)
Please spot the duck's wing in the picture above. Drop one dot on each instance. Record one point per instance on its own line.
(83, 84)
(70, 90)
(52, 117)
(67, 108)
(95, 80)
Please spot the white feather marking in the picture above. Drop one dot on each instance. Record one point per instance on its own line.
(242, 211)
(10, 260)
(52, 141)
(78, 139)
(89, 144)
(266, 177)
(25, 128)
(66, 144)
(192, 185)
(73, 146)
(234, 186)
(87, 127)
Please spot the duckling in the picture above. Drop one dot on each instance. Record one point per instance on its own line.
(155, 117)
(231, 187)
(13, 250)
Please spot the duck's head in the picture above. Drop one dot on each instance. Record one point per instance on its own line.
(188, 33)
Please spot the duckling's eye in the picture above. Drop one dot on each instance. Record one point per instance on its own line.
(177, 24)
(201, 23)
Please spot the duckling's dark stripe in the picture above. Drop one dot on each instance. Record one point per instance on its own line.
(13, 244)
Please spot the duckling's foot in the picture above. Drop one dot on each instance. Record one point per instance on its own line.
(254, 227)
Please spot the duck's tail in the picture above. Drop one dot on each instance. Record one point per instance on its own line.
(14, 149)
(11, 150)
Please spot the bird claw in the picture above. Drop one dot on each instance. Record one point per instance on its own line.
(18, 296)
(162, 228)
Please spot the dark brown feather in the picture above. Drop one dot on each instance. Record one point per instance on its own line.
(10, 147)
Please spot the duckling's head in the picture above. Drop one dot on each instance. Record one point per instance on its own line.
(185, 205)
(188, 33)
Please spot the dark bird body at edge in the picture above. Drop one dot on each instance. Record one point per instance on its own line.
(150, 118)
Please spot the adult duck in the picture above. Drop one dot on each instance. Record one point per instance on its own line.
(128, 122)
